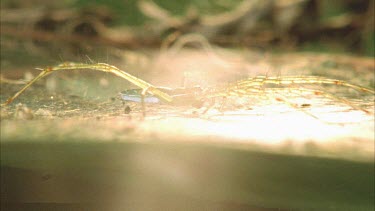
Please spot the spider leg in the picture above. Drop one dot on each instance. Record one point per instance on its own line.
(282, 98)
(222, 105)
(100, 67)
(303, 91)
(338, 99)
(210, 105)
(44, 73)
(143, 95)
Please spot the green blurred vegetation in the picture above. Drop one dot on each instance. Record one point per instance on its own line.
(127, 13)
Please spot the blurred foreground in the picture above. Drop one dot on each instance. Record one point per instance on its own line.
(70, 143)
(77, 147)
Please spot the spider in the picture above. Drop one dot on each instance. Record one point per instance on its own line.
(278, 88)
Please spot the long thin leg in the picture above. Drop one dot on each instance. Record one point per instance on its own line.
(304, 91)
(256, 85)
(294, 80)
(223, 102)
(44, 73)
(143, 95)
(100, 67)
(211, 104)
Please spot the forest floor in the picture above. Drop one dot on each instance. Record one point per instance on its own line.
(72, 125)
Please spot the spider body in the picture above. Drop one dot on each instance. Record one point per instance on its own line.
(180, 96)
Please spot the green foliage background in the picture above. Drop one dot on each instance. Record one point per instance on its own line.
(126, 12)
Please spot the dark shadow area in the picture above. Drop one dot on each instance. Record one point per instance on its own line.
(130, 176)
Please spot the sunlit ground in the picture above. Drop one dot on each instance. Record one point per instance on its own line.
(269, 156)
(338, 132)
(314, 125)
(255, 152)
(344, 134)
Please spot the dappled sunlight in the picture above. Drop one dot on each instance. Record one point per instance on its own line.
(187, 105)
(249, 99)
(333, 134)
